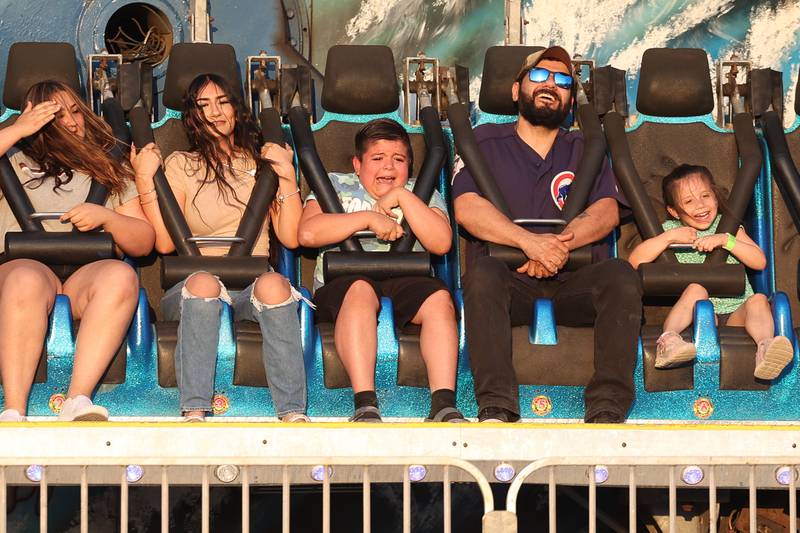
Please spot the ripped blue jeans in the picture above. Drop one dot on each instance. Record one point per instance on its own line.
(198, 337)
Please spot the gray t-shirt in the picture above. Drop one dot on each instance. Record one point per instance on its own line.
(44, 198)
(354, 198)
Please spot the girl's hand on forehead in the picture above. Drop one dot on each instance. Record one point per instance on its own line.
(33, 118)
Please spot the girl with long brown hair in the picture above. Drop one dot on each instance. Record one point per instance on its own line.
(212, 183)
(57, 147)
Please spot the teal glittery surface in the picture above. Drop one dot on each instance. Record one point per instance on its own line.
(7, 114)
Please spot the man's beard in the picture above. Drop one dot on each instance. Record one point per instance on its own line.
(545, 116)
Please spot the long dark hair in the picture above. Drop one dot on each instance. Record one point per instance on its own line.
(669, 186)
(58, 152)
(215, 151)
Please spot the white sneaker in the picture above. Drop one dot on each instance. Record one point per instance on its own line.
(81, 409)
(11, 415)
(295, 417)
(772, 356)
(194, 417)
(672, 350)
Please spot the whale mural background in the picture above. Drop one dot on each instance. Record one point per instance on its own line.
(615, 32)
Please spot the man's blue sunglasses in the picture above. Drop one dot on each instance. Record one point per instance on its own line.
(540, 75)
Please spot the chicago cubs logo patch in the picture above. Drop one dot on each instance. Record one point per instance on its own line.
(559, 187)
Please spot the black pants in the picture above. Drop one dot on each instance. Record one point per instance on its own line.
(606, 295)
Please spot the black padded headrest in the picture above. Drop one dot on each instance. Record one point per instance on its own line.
(675, 82)
(30, 63)
(189, 60)
(360, 80)
(500, 67)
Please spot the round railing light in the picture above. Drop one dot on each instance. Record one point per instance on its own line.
(34, 473)
(133, 473)
(227, 473)
(784, 474)
(504, 472)
(417, 472)
(692, 475)
(600, 474)
(318, 472)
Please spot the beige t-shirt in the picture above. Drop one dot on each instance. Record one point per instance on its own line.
(44, 198)
(207, 213)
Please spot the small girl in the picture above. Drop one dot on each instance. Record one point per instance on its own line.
(692, 200)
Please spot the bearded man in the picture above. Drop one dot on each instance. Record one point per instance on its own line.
(534, 162)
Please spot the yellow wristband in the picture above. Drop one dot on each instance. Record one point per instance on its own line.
(730, 243)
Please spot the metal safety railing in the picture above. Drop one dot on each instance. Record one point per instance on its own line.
(228, 474)
(288, 458)
(694, 471)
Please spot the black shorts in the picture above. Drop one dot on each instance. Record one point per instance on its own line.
(407, 294)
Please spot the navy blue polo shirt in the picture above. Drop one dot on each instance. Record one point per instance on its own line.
(533, 187)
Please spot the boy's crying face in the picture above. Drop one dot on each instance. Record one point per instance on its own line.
(382, 167)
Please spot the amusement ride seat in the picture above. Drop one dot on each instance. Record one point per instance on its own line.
(63, 252)
(239, 361)
(360, 85)
(545, 355)
(675, 100)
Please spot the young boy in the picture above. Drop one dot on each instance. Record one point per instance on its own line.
(375, 198)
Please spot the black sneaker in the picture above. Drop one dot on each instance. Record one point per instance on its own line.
(606, 417)
(496, 414)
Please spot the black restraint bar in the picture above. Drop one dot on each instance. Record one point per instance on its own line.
(431, 167)
(170, 210)
(375, 265)
(666, 277)
(18, 200)
(263, 191)
(314, 171)
(56, 248)
(784, 169)
(59, 248)
(352, 259)
(236, 272)
(746, 176)
(589, 166)
(643, 212)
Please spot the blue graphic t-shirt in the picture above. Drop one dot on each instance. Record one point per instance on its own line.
(354, 198)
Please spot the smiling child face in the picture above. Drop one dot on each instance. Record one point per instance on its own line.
(697, 205)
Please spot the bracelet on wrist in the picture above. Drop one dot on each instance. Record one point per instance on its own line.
(730, 243)
(282, 197)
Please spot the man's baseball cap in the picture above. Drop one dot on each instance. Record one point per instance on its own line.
(554, 52)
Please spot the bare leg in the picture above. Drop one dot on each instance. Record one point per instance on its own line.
(27, 293)
(356, 335)
(103, 296)
(438, 339)
(682, 313)
(756, 317)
